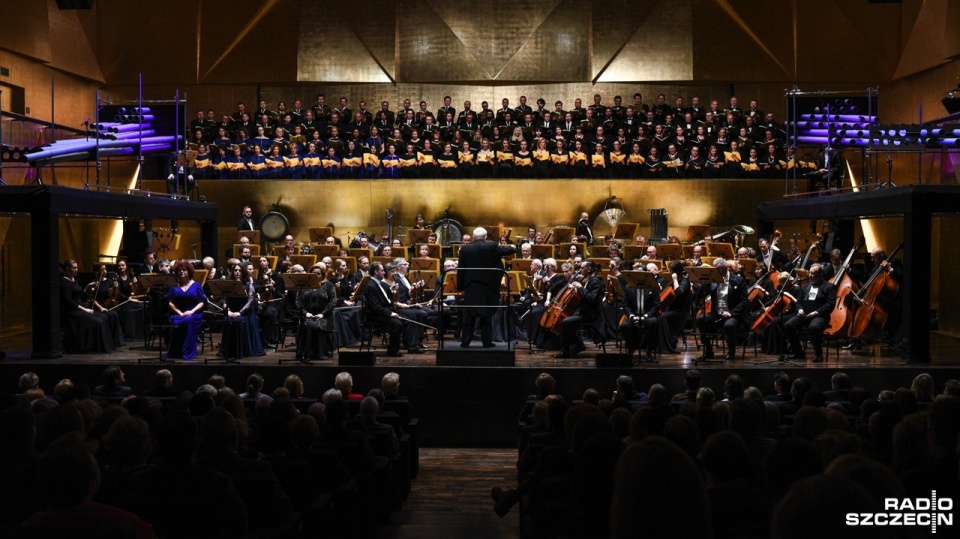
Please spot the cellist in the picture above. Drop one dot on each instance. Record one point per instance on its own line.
(591, 292)
(553, 283)
(814, 305)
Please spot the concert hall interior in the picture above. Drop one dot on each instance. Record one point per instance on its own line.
(836, 135)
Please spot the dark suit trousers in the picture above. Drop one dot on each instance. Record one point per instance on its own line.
(711, 323)
(816, 325)
(466, 327)
(392, 326)
(633, 331)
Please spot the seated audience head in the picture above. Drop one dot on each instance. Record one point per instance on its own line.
(390, 384)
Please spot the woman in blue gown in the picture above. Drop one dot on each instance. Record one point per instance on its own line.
(241, 313)
(186, 301)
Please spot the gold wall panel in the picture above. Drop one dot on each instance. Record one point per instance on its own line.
(661, 49)
(361, 205)
(613, 23)
(27, 28)
(557, 51)
(329, 48)
(70, 45)
(429, 50)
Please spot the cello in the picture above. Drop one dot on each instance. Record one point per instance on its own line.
(783, 301)
(843, 312)
(564, 306)
(874, 298)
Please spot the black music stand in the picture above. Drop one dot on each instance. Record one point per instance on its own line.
(227, 289)
(704, 276)
(415, 236)
(298, 282)
(252, 235)
(641, 280)
(161, 282)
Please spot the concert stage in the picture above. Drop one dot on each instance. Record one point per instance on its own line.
(477, 406)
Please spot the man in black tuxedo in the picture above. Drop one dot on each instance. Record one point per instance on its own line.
(480, 284)
(771, 258)
(591, 293)
(729, 301)
(814, 305)
(377, 308)
(642, 307)
(246, 220)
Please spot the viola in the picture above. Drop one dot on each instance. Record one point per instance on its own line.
(874, 298)
(113, 295)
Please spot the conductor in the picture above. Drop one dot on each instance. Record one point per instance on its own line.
(478, 277)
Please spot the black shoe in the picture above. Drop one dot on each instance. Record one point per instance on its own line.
(796, 356)
(818, 359)
(563, 355)
(489, 345)
(507, 499)
(704, 357)
(855, 345)
(464, 345)
(422, 347)
(729, 357)
(395, 354)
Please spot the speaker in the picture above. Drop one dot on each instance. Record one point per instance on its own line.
(613, 361)
(357, 359)
(74, 4)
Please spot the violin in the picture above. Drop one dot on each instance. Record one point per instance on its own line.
(113, 295)
(90, 292)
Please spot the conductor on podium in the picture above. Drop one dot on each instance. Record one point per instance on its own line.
(479, 280)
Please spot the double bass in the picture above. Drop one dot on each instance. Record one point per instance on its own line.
(843, 312)
(874, 298)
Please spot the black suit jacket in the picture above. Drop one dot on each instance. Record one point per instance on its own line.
(375, 302)
(480, 285)
(823, 302)
(242, 224)
(651, 301)
(736, 296)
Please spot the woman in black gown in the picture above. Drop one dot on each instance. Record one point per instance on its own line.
(316, 332)
(87, 327)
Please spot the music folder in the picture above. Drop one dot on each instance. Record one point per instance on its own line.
(641, 279)
(226, 288)
(704, 274)
(300, 281)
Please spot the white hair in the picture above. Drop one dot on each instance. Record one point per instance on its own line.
(479, 233)
(653, 268)
(550, 262)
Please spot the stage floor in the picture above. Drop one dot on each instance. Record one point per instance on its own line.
(477, 405)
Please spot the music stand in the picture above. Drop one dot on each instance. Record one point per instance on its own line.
(634, 252)
(626, 231)
(561, 234)
(299, 282)
(521, 264)
(418, 236)
(164, 243)
(749, 265)
(697, 232)
(320, 234)
(721, 249)
(252, 235)
(307, 261)
(322, 250)
(429, 278)
(425, 264)
(227, 289)
(704, 275)
(670, 251)
(542, 251)
(161, 282)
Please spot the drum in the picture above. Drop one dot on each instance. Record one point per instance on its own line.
(447, 231)
(274, 226)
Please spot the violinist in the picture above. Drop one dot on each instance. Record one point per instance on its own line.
(268, 300)
(87, 329)
(640, 322)
(815, 302)
(105, 297)
(129, 307)
(675, 316)
(407, 306)
(729, 303)
(591, 292)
